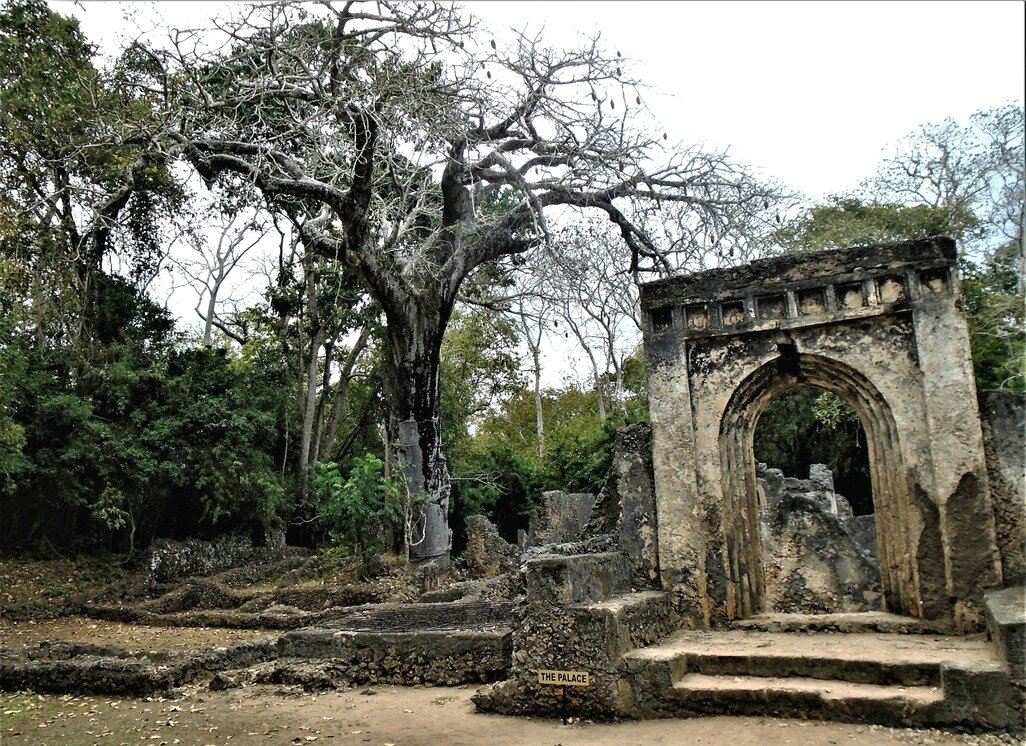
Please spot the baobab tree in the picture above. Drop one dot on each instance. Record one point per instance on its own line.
(399, 144)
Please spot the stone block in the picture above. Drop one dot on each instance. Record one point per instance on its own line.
(1006, 623)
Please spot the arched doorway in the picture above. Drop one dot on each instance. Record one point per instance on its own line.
(743, 546)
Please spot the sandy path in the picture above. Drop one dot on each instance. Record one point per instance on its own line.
(403, 716)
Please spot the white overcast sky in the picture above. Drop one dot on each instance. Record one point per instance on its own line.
(809, 92)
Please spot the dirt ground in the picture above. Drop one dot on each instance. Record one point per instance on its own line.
(29, 634)
(403, 716)
(272, 714)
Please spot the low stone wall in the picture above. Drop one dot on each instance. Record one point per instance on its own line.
(1003, 415)
(67, 668)
(173, 560)
(577, 614)
(404, 658)
(442, 644)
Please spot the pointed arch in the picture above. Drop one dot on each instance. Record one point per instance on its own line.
(742, 548)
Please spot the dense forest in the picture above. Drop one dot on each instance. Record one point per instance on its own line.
(397, 234)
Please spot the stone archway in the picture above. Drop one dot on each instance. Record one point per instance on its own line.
(881, 326)
(746, 594)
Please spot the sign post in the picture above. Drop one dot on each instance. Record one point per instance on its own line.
(563, 679)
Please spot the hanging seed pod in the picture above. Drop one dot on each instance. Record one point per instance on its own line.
(612, 104)
(665, 136)
(618, 70)
(489, 73)
(638, 100)
(493, 43)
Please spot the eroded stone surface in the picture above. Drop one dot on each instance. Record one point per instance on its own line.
(172, 560)
(883, 328)
(487, 553)
(1004, 431)
(816, 559)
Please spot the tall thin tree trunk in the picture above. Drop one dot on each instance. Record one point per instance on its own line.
(310, 405)
(539, 415)
(208, 322)
(330, 431)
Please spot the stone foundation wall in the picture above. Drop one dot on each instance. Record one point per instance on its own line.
(443, 658)
(577, 614)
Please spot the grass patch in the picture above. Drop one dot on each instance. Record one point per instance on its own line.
(19, 708)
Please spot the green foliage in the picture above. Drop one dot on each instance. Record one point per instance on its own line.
(479, 369)
(499, 473)
(997, 328)
(811, 426)
(499, 482)
(148, 439)
(358, 511)
(849, 221)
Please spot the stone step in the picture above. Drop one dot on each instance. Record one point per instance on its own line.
(881, 678)
(806, 698)
(873, 621)
(860, 658)
(632, 620)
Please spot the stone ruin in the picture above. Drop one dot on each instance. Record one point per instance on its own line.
(819, 557)
(667, 599)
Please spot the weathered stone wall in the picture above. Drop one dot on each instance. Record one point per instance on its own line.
(1004, 440)
(626, 505)
(173, 560)
(577, 613)
(815, 560)
(882, 327)
(440, 658)
(562, 518)
(487, 553)
(93, 669)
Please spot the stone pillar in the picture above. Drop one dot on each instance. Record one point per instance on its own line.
(959, 480)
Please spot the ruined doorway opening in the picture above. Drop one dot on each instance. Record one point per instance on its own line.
(818, 527)
(743, 550)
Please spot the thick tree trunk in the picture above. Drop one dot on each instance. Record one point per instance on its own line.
(412, 353)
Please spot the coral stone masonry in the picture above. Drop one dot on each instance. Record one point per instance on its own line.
(883, 328)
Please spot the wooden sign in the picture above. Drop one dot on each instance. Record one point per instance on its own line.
(563, 678)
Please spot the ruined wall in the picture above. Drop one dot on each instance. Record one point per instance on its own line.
(488, 554)
(817, 556)
(173, 560)
(577, 613)
(1004, 439)
(882, 328)
(561, 518)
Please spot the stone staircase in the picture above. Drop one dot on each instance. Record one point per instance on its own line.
(856, 675)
